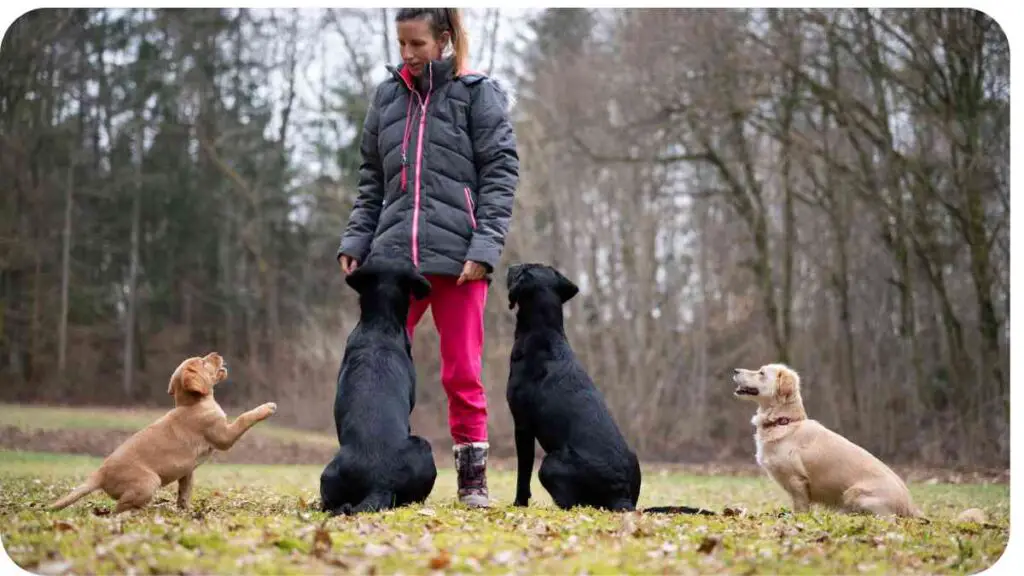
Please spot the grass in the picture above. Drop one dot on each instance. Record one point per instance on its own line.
(262, 519)
(30, 418)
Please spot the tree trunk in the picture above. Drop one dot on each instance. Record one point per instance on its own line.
(386, 27)
(133, 266)
(65, 272)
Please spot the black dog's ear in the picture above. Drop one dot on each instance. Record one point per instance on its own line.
(360, 278)
(417, 285)
(514, 282)
(565, 289)
(513, 297)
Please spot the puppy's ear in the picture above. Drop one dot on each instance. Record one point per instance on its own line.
(174, 383)
(417, 285)
(566, 289)
(193, 381)
(786, 383)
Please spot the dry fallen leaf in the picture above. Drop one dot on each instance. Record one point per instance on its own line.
(337, 561)
(708, 544)
(540, 528)
(975, 515)
(55, 567)
(734, 511)
(441, 561)
(503, 557)
(64, 526)
(426, 512)
(628, 527)
(321, 542)
(376, 550)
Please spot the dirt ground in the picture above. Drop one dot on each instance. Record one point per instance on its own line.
(251, 449)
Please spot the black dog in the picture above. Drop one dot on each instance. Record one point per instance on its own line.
(379, 465)
(587, 461)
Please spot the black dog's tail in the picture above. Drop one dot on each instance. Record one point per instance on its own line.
(679, 510)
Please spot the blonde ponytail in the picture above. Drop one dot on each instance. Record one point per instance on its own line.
(460, 40)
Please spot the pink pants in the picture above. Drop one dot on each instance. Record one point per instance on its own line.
(459, 317)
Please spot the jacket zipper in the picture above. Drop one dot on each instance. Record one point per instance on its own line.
(405, 142)
(469, 207)
(419, 169)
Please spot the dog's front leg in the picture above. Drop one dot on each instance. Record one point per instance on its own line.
(800, 493)
(223, 435)
(184, 491)
(524, 468)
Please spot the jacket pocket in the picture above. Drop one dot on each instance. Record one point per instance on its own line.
(469, 207)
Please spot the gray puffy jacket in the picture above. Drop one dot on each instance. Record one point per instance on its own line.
(438, 174)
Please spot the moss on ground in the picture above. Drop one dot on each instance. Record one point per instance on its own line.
(262, 520)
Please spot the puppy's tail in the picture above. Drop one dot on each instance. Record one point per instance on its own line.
(679, 510)
(90, 485)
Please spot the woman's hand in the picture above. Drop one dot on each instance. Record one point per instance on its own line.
(471, 271)
(348, 264)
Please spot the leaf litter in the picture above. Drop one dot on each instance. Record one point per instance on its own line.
(266, 520)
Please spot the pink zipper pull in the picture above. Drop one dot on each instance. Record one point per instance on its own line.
(405, 162)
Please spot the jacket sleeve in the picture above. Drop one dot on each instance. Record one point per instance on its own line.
(362, 222)
(497, 167)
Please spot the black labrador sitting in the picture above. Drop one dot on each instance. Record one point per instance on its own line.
(552, 399)
(379, 465)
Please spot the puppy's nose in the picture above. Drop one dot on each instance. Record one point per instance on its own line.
(736, 371)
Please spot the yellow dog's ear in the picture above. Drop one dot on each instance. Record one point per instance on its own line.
(193, 381)
(175, 382)
(786, 383)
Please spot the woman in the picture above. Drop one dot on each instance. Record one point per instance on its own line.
(436, 184)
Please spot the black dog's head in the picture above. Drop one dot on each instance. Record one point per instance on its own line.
(379, 273)
(527, 279)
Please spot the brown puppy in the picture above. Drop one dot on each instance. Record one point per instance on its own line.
(812, 463)
(169, 449)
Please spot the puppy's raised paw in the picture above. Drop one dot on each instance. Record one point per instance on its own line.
(267, 409)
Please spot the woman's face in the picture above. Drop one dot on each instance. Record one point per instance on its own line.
(418, 45)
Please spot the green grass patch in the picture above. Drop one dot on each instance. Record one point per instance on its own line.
(262, 519)
(29, 418)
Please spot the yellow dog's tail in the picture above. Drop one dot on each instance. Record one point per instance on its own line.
(90, 485)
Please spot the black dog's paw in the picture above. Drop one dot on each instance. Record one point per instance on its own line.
(521, 502)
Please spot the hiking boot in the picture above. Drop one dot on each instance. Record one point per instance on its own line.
(471, 469)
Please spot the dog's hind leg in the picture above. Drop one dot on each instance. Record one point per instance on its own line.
(375, 502)
(559, 478)
(634, 481)
(422, 472)
(858, 500)
(138, 494)
(622, 506)
(340, 487)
